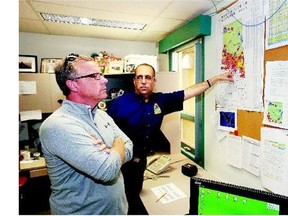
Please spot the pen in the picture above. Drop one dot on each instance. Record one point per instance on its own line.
(161, 197)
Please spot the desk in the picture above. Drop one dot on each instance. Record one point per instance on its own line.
(36, 168)
(177, 207)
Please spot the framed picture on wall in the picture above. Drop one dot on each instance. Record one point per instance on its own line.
(48, 64)
(28, 63)
(227, 119)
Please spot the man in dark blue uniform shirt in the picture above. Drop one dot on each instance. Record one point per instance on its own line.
(139, 115)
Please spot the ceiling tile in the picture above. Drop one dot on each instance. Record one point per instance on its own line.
(26, 11)
(186, 9)
(33, 26)
(163, 25)
(151, 36)
(91, 31)
(135, 7)
(90, 13)
(160, 16)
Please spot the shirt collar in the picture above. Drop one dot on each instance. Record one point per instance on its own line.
(141, 98)
(79, 108)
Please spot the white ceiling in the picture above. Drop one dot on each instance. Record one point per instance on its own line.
(160, 16)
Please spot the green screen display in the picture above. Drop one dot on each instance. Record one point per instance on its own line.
(216, 202)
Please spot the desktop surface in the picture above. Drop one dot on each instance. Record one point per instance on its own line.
(36, 168)
(175, 176)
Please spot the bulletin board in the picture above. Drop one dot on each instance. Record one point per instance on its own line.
(250, 123)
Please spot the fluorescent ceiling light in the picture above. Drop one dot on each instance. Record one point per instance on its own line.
(90, 21)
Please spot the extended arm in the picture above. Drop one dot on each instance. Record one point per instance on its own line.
(199, 88)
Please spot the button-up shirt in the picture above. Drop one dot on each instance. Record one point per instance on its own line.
(141, 121)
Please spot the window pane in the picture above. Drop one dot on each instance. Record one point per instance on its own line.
(188, 132)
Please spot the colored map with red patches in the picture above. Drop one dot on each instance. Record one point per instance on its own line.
(232, 52)
(275, 112)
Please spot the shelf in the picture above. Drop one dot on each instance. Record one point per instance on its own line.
(117, 74)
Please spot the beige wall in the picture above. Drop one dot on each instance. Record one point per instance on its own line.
(52, 46)
(168, 82)
(47, 93)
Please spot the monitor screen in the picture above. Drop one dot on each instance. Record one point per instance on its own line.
(219, 198)
(29, 133)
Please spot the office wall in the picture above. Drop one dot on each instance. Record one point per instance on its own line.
(215, 150)
(48, 93)
(52, 46)
(168, 82)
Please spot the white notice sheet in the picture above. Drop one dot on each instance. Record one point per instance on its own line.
(167, 193)
(274, 160)
(234, 151)
(27, 87)
(251, 155)
(276, 94)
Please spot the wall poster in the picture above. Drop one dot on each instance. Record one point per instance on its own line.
(241, 50)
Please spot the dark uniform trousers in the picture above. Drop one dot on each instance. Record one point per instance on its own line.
(133, 173)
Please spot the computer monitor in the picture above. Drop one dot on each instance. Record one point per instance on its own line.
(29, 133)
(219, 198)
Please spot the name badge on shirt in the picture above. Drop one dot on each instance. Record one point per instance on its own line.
(157, 109)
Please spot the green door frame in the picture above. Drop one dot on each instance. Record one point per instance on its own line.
(196, 28)
(197, 154)
(199, 106)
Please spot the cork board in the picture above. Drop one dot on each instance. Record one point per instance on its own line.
(250, 123)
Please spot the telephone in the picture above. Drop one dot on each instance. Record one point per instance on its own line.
(158, 164)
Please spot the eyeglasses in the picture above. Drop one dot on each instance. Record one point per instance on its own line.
(146, 77)
(96, 76)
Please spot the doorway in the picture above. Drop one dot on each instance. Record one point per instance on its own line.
(188, 60)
